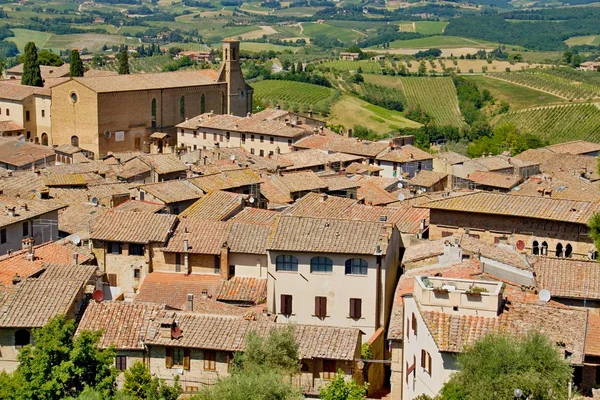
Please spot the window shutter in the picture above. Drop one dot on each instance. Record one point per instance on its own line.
(286, 304)
(323, 307)
(429, 363)
(318, 306)
(169, 358)
(112, 280)
(186, 359)
(355, 308)
(423, 358)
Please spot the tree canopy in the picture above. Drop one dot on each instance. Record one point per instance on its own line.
(499, 364)
(32, 76)
(139, 384)
(76, 64)
(341, 389)
(123, 59)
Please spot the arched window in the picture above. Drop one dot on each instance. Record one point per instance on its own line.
(202, 104)
(182, 107)
(535, 248)
(44, 139)
(594, 255)
(223, 105)
(286, 263)
(568, 251)
(321, 265)
(153, 108)
(356, 266)
(22, 338)
(74, 141)
(559, 250)
(544, 249)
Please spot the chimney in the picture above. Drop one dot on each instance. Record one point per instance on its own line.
(323, 197)
(27, 244)
(185, 245)
(277, 107)
(190, 302)
(422, 224)
(224, 262)
(16, 279)
(310, 113)
(24, 207)
(186, 256)
(75, 259)
(349, 133)
(12, 212)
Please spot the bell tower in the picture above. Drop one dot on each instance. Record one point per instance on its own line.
(238, 98)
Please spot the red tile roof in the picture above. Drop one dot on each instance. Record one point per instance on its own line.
(244, 289)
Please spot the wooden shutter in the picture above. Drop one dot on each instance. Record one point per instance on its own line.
(355, 308)
(429, 363)
(423, 358)
(169, 358)
(112, 280)
(286, 304)
(414, 324)
(321, 306)
(186, 359)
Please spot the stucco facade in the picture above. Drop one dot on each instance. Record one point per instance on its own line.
(43, 228)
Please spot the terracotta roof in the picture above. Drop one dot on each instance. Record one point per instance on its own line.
(47, 71)
(493, 163)
(565, 277)
(68, 149)
(79, 218)
(253, 215)
(133, 227)
(252, 124)
(321, 206)
(275, 194)
(248, 238)
(451, 157)
(52, 180)
(172, 289)
(592, 344)
(226, 180)
(298, 182)
(338, 182)
(313, 157)
(574, 147)
(404, 154)
(25, 209)
(204, 236)
(320, 235)
(453, 332)
(358, 168)
(522, 206)
(163, 80)
(380, 181)
(131, 169)
(19, 154)
(140, 206)
(426, 178)
(163, 163)
(409, 219)
(494, 179)
(217, 205)
(124, 325)
(373, 194)
(244, 289)
(583, 166)
(10, 126)
(76, 196)
(173, 191)
(559, 185)
(13, 90)
(336, 143)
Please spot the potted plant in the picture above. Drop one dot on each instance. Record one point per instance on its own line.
(440, 290)
(476, 291)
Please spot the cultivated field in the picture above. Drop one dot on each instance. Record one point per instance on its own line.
(557, 123)
(550, 83)
(293, 94)
(91, 41)
(436, 96)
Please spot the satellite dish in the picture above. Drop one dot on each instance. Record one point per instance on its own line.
(401, 197)
(107, 135)
(251, 200)
(21, 139)
(98, 295)
(232, 157)
(400, 185)
(520, 245)
(95, 201)
(544, 295)
(176, 332)
(76, 240)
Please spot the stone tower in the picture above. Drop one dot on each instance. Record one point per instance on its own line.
(239, 94)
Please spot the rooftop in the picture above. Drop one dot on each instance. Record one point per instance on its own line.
(298, 182)
(258, 216)
(203, 236)
(404, 154)
(494, 179)
(20, 154)
(451, 157)
(173, 191)
(568, 278)
(226, 180)
(216, 205)
(425, 178)
(25, 209)
(11, 90)
(576, 147)
(132, 227)
(338, 144)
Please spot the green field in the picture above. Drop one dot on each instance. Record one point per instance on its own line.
(302, 95)
(350, 111)
(368, 67)
(91, 41)
(518, 97)
(258, 47)
(557, 124)
(581, 40)
(344, 35)
(439, 41)
(23, 36)
(142, 64)
(424, 27)
(550, 83)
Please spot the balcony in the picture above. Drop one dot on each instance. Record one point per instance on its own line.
(458, 296)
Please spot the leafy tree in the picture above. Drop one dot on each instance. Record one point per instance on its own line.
(499, 364)
(123, 59)
(76, 64)
(60, 366)
(594, 225)
(46, 57)
(32, 75)
(139, 384)
(278, 351)
(341, 389)
(422, 68)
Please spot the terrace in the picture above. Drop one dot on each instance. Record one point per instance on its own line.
(458, 296)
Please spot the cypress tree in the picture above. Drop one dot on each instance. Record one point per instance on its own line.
(76, 68)
(32, 75)
(123, 62)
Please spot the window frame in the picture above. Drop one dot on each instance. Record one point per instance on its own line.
(321, 265)
(209, 358)
(111, 248)
(25, 229)
(328, 372)
(282, 264)
(320, 306)
(355, 308)
(120, 363)
(136, 246)
(2, 235)
(351, 266)
(286, 304)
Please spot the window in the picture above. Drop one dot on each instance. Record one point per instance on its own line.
(195, 134)
(121, 363)
(182, 107)
(270, 154)
(136, 249)
(202, 104)
(261, 153)
(243, 138)
(7, 112)
(182, 133)
(153, 109)
(321, 265)
(44, 139)
(262, 138)
(232, 270)
(426, 361)
(137, 273)
(27, 116)
(114, 248)
(214, 137)
(25, 228)
(289, 142)
(177, 357)
(414, 324)
(559, 250)
(356, 266)
(227, 135)
(355, 308)
(251, 151)
(2, 236)
(112, 280)
(286, 263)
(568, 251)
(210, 360)
(328, 369)
(544, 249)
(272, 140)
(177, 262)
(320, 306)
(286, 304)
(22, 338)
(535, 248)
(74, 141)
(252, 138)
(43, 113)
(204, 135)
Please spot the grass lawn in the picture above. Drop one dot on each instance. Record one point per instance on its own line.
(23, 36)
(579, 40)
(439, 41)
(430, 27)
(350, 111)
(519, 97)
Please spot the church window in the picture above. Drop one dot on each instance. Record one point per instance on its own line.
(202, 104)
(182, 107)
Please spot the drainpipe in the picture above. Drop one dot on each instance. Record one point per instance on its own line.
(378, 293)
